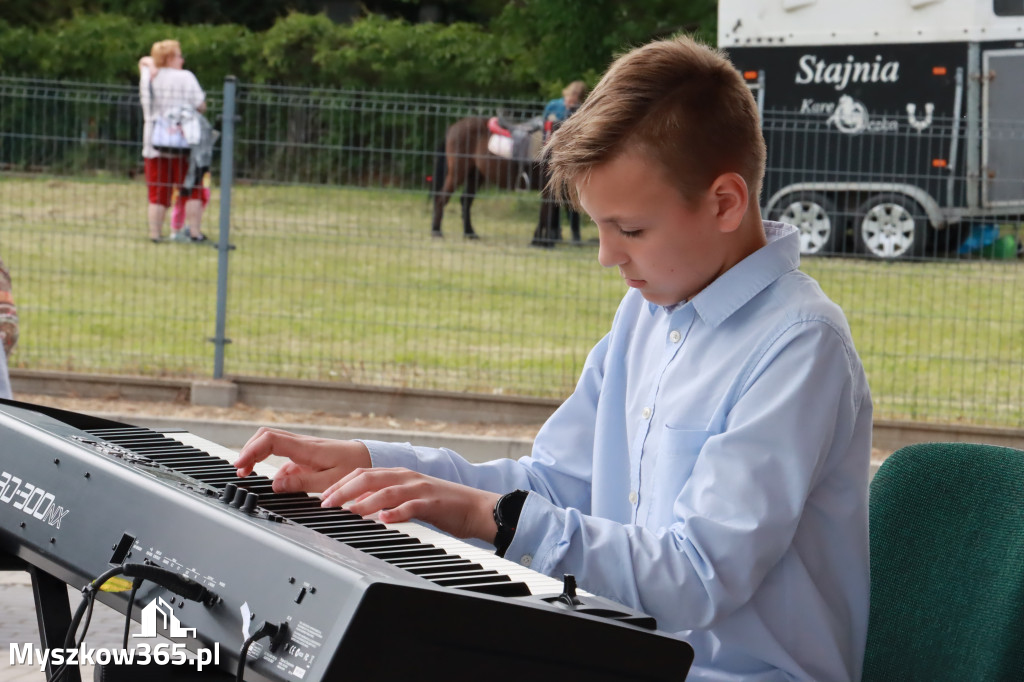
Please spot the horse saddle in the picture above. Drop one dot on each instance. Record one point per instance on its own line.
(519, 141)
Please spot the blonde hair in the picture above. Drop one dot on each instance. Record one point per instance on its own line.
(676, 101)
(576, 90)
(164, 51)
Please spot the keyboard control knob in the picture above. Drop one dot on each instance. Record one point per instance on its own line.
(251, 499)
(228, 493)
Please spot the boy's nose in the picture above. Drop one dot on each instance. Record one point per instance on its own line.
(608, 253)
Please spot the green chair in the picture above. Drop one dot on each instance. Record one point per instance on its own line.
(947, 565)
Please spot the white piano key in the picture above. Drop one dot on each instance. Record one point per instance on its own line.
(537, 582)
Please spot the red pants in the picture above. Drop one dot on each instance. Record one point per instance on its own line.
(165, 173)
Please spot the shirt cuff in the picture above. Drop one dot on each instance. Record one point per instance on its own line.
(537, 535)
(383, 454)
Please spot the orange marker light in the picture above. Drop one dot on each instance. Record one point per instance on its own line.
(938, 70)
(938, 163)
(750, 75)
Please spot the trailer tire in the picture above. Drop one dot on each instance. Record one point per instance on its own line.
(815, 216)
(891, 226)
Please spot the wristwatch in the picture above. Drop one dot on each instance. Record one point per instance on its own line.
(506, 516)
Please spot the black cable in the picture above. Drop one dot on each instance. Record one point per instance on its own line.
(265, 630)
(84, 607)
(128, 614)
(179, 584)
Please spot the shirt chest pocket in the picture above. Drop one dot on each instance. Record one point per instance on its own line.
(676, 457)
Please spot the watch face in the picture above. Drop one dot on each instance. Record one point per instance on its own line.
(509, 508)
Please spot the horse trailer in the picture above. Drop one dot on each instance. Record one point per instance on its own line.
(891, 125)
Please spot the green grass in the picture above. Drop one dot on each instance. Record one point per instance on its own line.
(345, 284)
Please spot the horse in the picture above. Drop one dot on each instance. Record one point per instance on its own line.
(464, 159)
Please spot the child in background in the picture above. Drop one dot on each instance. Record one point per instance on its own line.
(178, 231)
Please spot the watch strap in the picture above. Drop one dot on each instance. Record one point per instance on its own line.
(506, 517)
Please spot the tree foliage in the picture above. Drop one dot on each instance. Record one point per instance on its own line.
(529, 48)
(563, 40)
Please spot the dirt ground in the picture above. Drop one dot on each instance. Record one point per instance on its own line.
(260, 415)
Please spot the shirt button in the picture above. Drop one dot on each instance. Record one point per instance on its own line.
(646, 413)
(675, 336)
(632, 497)
(526, 560)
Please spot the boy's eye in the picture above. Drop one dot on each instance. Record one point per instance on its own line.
(630, 233)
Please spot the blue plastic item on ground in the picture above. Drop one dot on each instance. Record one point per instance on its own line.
(981, 236)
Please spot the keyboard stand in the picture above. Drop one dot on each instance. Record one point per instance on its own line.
(53, 611)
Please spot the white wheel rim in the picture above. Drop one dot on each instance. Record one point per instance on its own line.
(813, 222)
(888, 230)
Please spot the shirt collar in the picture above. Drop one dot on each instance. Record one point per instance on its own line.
(740, 283)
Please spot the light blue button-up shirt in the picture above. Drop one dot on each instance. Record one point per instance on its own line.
(710, 469)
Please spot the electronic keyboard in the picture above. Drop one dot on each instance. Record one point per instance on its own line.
(345, 596)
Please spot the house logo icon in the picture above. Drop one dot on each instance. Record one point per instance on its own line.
(159, 608)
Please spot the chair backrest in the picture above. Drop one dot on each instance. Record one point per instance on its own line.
(947, 565)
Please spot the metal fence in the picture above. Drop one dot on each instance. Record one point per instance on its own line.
(327, 268)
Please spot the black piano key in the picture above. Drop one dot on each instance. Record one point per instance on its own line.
(284, 498)
(318, 513)
(426, 550)
(335, 524)
(214, 479)
(383, 542)
(296, 506)
(437, 569)
(510, 589)
(260, 488)
(166, 450)
(183, 460)
(365, 528)
(273, 502)
(120, 431)
(209, 474)
(346, 536)
(205, 470)
(429, 561)
(480, 578)
(371, 528)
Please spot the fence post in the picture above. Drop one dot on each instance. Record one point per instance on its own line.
(227, 176)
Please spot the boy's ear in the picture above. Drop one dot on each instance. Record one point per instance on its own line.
(729, 196)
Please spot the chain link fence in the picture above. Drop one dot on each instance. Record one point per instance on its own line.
(327, 265)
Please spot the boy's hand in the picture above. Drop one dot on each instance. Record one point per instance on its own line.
(401, 495)
(314, 463)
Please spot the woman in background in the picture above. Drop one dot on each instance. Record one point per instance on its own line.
(164, 85)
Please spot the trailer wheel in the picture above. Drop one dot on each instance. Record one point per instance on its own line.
(815, 216)
(890, 227)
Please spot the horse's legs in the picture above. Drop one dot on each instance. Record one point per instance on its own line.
(440, 201)
(468, 194)
(442, 191)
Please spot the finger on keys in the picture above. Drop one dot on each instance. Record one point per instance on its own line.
(268, 441)
(256, 449)
(369, 479)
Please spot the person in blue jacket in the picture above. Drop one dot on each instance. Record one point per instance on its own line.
(549, 228)
(557, 110)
